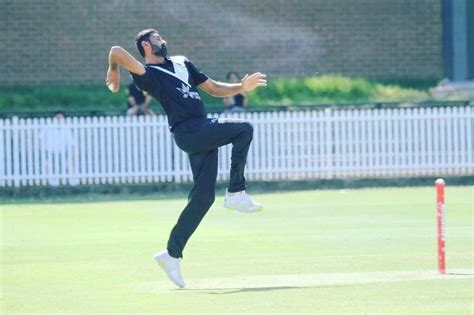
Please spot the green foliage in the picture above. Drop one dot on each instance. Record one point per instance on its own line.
(395, 93)
(71, 99)
(329, 89)
(417, 84)
(50, 98)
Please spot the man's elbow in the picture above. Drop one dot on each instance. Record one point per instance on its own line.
(115, 50)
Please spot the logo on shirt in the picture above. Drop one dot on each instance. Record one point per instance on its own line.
(186, 93)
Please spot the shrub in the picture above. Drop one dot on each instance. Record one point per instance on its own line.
(314, 90)
(328, 89)
(390, 93)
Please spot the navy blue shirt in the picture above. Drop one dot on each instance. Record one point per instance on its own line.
(238, 100)
(174, 85)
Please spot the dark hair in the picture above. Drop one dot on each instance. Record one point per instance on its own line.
(59, 113)
(143, 36)
(232, 73)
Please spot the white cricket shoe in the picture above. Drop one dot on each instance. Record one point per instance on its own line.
(171, 267)
(240, 201)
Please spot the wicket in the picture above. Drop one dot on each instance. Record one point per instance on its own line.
(440, 207)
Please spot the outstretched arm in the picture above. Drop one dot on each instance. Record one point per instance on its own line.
(120, 57)
(221, 89)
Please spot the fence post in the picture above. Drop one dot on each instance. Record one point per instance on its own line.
(15, 153)
(3, 155)
(469, 140)
(329, 130)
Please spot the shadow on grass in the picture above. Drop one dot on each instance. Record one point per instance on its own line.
(257, 289)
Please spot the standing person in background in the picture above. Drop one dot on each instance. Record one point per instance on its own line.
(173, 81)
(138, 102)
(57, 142)
(237, 102)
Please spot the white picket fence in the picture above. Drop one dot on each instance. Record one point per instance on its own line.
(319, 144)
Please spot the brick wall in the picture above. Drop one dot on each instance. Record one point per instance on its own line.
(67, 41)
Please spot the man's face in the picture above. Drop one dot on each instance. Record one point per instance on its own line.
(233, 78)
(155, 38)
(155, 45)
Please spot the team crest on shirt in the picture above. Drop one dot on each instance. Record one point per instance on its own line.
(186, 93)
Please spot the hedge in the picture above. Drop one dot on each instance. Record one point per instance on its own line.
(295, 92)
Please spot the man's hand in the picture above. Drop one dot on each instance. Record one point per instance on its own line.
(113, 79)
(253, 81)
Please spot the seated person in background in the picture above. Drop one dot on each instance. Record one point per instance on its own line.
(138, 102)
(238, 102)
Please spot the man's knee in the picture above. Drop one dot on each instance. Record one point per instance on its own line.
(207, 201)
(203, 198)
(247, 129)
(211, 200)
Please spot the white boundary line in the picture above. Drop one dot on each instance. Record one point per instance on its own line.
(307, 280)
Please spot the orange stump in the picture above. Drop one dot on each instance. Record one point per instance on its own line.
(441, 225)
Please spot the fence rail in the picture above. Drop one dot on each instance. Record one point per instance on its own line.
(362, 143)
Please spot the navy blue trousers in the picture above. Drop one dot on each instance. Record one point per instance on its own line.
(200, 139)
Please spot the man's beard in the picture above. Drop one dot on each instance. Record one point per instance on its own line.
(159, 51)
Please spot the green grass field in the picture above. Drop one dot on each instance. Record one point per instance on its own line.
(331, 251)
